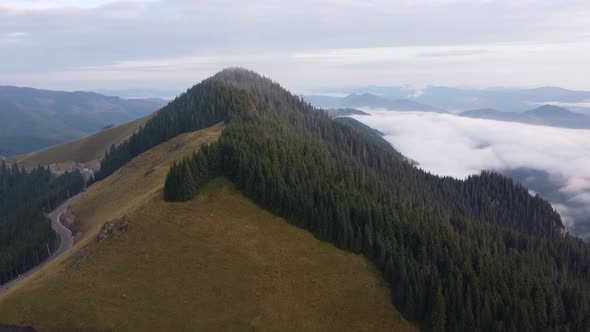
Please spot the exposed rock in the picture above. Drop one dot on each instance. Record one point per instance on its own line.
(149, 172)
(71, 221)
(178, 146)
(112, 227)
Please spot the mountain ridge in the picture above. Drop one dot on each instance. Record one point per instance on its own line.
(463, 99)
(285, 128)
(547, 115)
(31, 119)
(368, 100)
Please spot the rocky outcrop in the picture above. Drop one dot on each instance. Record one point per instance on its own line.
(112, 227)
(71, 221)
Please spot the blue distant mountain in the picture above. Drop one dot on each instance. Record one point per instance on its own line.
(338, 112)
(32, 119)
(368, 100)
(463, 99)
(547, 115)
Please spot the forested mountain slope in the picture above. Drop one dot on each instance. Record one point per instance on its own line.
(479, 254)
(470, 255)
(370, 134)
(26, 237)
(216, 263)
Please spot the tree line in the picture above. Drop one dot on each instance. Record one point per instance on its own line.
(26, 236)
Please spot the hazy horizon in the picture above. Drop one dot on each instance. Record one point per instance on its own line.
(448, 145)
(173, 44)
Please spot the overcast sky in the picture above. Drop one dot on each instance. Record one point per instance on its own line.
(172, 44)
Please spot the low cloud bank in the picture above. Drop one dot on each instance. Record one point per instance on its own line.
(554, 162)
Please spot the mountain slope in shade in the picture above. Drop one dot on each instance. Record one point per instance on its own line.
(368, 100)
(546, 115)
(371, 134)
(31, 119)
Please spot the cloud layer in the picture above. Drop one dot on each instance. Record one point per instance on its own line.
(554, 161)
(115, 43)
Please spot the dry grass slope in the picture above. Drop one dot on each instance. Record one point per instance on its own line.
(88, 150)
(216, 263)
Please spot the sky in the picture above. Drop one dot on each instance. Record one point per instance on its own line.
(450, 145)
(304, 44)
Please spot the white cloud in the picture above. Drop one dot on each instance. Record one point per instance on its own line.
(455, 146)
(442, 42)
(13, 37)
(456, 65)
(52, 4)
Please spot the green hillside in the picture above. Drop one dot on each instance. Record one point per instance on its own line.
(88, 150)
(32, 119)
(216, 263)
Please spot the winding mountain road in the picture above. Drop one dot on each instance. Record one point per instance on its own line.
(66, 243)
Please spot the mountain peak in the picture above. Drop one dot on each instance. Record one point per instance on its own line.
(549, 109)
(239, 74)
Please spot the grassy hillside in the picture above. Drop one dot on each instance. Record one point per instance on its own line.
(32, 119)
(88, 150)
(217, 262)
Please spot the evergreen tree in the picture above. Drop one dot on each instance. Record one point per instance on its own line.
(26, 237)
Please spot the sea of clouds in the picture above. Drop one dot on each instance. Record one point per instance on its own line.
(552, 161)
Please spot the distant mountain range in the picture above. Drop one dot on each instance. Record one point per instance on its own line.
(31, 119)
(462, 99)
(547, 115)
(369, 100)
(167, 94)
(339, 112)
